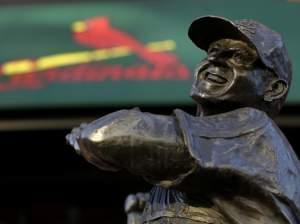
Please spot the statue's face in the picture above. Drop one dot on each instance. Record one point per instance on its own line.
(230, 73)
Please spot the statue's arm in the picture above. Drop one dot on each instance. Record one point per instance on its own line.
(145, 144)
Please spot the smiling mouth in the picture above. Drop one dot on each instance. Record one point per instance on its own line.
(214, 78)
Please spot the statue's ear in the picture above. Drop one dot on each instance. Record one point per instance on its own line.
(275, 90)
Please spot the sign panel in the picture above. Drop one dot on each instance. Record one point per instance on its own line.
(117, 53)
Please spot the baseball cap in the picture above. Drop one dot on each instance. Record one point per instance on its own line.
(268, 43)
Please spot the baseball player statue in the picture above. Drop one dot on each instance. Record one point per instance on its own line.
(229, 164)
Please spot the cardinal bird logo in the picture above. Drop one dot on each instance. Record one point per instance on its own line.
(102, 41)
(98, 32)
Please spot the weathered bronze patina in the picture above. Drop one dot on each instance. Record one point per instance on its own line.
(230, 163)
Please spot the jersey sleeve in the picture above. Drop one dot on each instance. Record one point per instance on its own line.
(143, 143)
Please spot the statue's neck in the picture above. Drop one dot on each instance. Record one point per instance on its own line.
(206, 110)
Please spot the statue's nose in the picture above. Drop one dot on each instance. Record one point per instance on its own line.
(211, 58)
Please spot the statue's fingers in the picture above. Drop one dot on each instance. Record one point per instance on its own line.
(130, 203)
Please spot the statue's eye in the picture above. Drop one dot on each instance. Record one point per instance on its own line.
(238, 57)
(213, 50)
(243, 58)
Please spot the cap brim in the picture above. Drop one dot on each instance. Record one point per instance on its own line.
(205, 30)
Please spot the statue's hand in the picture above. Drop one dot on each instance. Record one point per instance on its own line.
(89, 140)
(73, 139)
(136, 202)
(74, 136)
(134, 206)
(86, 130)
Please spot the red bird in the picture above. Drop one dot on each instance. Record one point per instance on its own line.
(97, 32)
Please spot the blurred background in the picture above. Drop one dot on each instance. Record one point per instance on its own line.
(68, 62)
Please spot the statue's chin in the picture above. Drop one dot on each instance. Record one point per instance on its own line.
(202, 97)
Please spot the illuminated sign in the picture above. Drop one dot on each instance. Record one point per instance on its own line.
(106, 43)
(117, 53)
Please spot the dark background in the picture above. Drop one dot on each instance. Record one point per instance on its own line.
(44, 181)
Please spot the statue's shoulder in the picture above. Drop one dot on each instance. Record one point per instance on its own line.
(247, 141)
(231, 124)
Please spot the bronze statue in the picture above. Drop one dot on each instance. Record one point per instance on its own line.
(228, 164)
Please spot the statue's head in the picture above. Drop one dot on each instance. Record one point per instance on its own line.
(247, 65)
